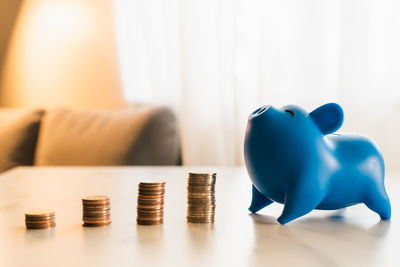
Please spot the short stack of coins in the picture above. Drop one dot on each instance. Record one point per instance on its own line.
(96, 211)
(201, 197)
(150, 205)
(40, 219)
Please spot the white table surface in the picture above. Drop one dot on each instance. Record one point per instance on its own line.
(357, 238)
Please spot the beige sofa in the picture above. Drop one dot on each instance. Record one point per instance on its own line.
(69, 136)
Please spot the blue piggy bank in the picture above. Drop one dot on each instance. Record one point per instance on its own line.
(294, 158)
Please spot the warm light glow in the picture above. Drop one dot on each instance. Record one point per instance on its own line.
(62, 18)
(63, 52)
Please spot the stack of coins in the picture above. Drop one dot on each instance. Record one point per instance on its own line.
(96, 211)
(40, 219)
(201, 197)
(150, 206)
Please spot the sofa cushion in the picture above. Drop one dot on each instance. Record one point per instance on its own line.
(132, 136)
(19, 130)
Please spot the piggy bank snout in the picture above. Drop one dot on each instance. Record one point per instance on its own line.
(259, 111)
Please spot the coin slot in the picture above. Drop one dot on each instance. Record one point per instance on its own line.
(259, 111)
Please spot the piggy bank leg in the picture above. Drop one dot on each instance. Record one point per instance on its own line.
(258, 201)
(300, 199)
(378, 201)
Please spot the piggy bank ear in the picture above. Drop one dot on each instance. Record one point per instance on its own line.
(328, 117)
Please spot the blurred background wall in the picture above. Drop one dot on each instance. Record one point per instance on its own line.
(212, 61)
(217, 60)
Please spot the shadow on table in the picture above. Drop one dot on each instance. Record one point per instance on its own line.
(262, 219)
(31, 235)
(341, 224)
(199, 234)
(336, 220)
(149, 234)
(326, 240)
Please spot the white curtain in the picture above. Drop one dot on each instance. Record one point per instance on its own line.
(215, 61)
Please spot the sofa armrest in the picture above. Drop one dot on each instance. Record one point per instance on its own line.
(19, 129)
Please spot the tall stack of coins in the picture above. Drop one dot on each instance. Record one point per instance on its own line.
(150, 206)
(201, 197)
(96, 211)
(40, 219)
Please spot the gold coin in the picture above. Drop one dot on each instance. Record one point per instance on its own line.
(97, 211)
(150, 202)
(96, 198)
(40, 213)
(47, 218)
(154, 214)
(96, 215)
(40, 225)
(152, 207)
(106, 220)
(96, 220)
(201, 197)
(152, 182)
(199, 210)
(96, 224)
(154, 197)
(143, 222)
(151, 190)
(149, 219)
(199, 221)
(202, 174)
(97, 206)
